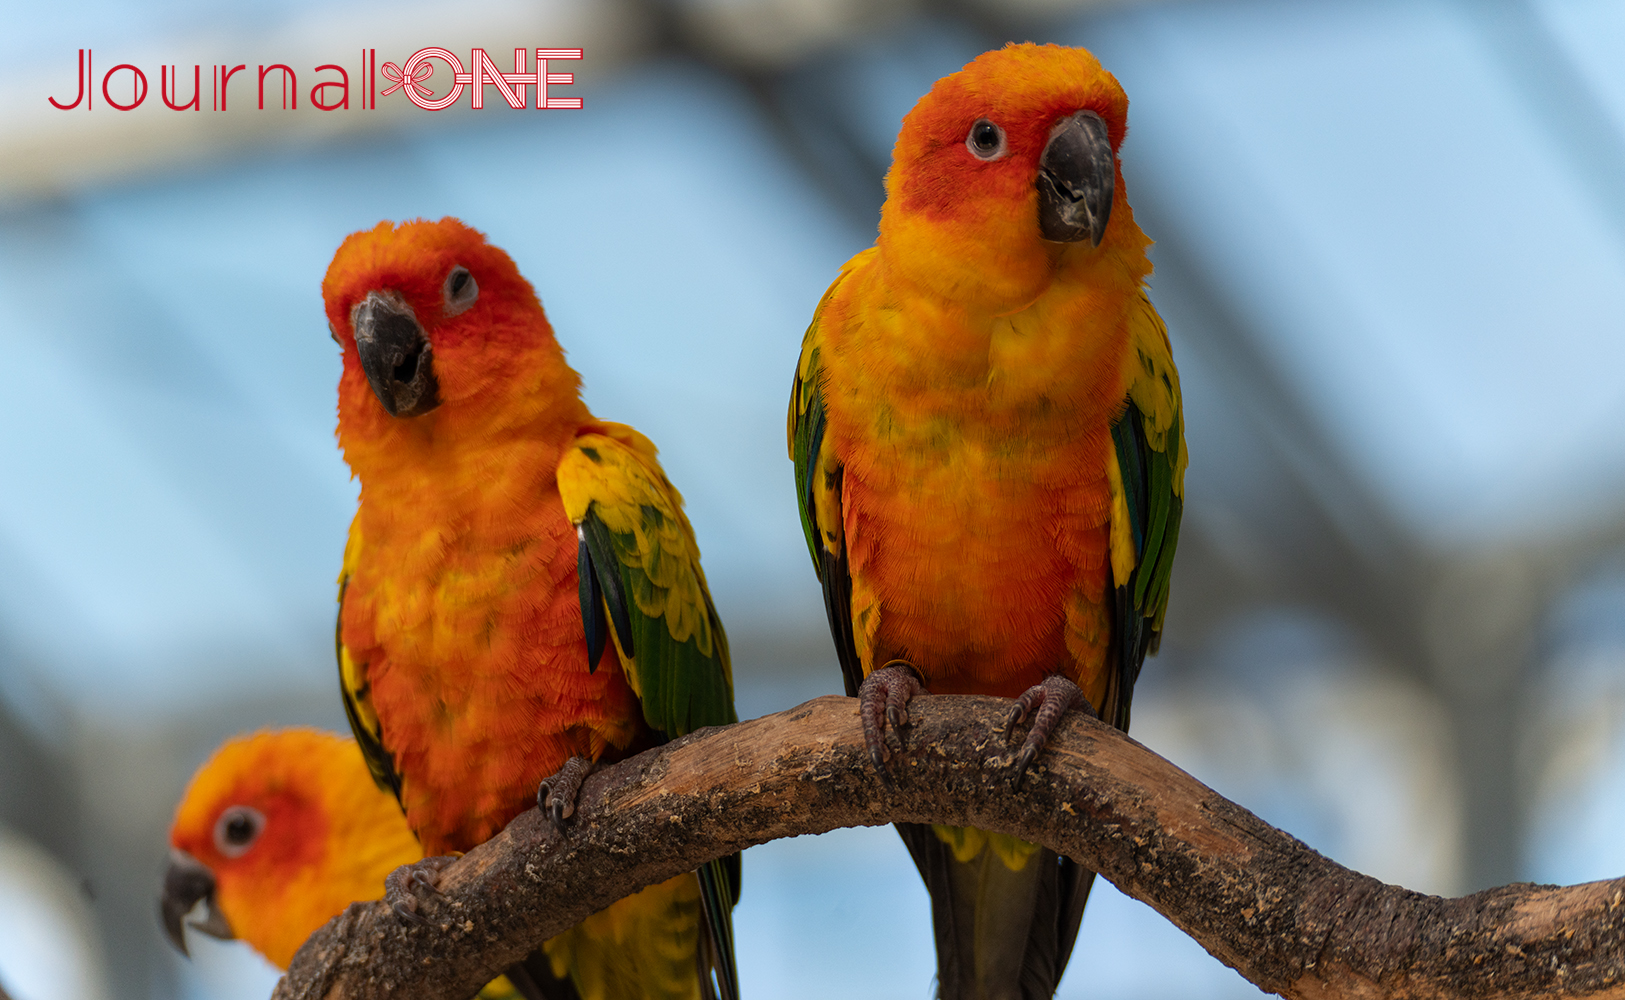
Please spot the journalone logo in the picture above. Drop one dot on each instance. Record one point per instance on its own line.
(125, 86)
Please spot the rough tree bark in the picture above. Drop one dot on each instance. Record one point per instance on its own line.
(1286, 918)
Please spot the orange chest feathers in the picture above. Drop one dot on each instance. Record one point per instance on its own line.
(985, 565)
(464, 607)
(976, 494)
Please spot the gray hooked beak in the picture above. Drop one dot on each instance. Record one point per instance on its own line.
(1076, 180)
(187, 882)
(395, 354)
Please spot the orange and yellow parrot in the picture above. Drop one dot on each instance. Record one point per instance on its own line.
(277, 833)
(989, 454)
(505, 536)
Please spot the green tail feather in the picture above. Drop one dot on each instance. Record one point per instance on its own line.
(719, 891)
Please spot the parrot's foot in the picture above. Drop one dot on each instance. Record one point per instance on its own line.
(406, 884)
(883, 698)
(556, 797)
(1051, 696)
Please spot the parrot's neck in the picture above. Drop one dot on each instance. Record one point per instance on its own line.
(468, 455)
(1055, 361)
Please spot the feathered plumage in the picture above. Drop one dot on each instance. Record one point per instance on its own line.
(502, 528)
(989, 454)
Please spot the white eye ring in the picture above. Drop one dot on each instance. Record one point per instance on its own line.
(986, 140)
(459, 292)
(237, 829)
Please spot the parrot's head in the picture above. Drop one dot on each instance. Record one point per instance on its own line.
(430, 315)
(1006, 172)
(276, 834)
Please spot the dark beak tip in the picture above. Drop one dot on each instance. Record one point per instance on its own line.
(172, 911)
(386, 399)
(174, 927)
(186, 883)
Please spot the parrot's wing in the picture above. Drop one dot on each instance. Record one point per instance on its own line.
(356, 689)
(641, 584)
(1148, 483)
(638, 558)
(818, 495)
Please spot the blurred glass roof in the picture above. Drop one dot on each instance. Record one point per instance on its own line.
(1431, 269)
(1367, 180)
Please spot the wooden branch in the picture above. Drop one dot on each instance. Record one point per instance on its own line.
(1286, 918)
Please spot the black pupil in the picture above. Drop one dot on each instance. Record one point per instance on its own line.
(239, 829)
(986, 135)
(458, 280)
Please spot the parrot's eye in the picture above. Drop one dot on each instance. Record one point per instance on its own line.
(461, 290)
(986, 140)
(237, 829)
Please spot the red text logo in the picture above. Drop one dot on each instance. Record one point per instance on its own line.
(125, 86)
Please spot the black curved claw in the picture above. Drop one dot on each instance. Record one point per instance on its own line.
(407, 912)
(1017, 713)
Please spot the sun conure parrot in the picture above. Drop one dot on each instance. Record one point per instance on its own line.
(989, 455)
(505, 536)
(277, 833)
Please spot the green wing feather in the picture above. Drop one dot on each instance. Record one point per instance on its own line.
(357, 693)
(1149, 440)
(818, 497)
(647, 566)
(640, 574)
(806, 434)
